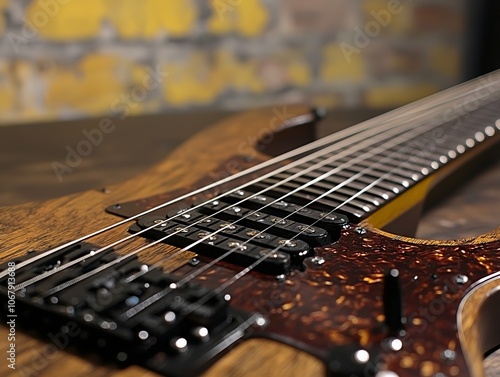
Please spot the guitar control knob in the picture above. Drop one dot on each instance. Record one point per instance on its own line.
(393, 304)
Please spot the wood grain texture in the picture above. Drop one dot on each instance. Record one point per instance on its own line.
(40, 226)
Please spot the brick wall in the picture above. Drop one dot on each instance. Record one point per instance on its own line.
(63, 59)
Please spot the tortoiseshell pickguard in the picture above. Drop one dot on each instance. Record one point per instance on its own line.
(340, 301)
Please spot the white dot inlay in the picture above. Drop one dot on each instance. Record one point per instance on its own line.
(490, 131)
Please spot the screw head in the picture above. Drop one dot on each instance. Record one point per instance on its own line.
(448, 355)
(194, 262)
(260, 321)
(461, 279)
(318, 261)
(360, 230)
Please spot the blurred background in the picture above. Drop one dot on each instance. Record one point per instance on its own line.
(69, 59)
(164, 69)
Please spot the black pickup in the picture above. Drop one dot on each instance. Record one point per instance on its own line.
(247, 229)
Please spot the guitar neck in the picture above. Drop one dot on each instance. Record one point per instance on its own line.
(364, 170)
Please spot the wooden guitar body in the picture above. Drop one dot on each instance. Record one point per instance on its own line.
(316, 316)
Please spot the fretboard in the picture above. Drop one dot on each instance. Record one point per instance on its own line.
(362, 176)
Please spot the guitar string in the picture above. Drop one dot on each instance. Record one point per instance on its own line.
(194, 306)
(96, 252)
(379, 163)
(26, 283)
(157, 296)
(418, 106)
(177, 232)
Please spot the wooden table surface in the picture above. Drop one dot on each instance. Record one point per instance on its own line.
(28, 152)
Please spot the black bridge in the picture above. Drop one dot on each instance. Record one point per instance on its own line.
(179, 334)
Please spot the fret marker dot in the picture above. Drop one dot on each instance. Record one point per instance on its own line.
(497, 124)
(479, 136)
(490, 131)
(443, 159)
(470, 143)
(434, 165)
(414, 177)
(452, 154)
(425, 171)
(460, 149)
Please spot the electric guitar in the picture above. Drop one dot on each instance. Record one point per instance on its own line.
(255, 250)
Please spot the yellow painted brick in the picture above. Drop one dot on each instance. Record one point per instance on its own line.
(148, 18)
(7, 89)
(298, 69)
(248, 17)
(337, 67)
(3, 4)
(202, 80)
(398, 22)
(252, 18)
(73, 20)
(92, 86)
(239, 75)
(396, 95)
(446, 61)
(191, 81)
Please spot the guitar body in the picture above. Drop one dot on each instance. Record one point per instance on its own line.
(448, 288)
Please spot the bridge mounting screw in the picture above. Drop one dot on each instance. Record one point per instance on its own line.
(448, 355)
(360, 230)
(194, 262)
(261, 321)
(461, 279)
(318, 261)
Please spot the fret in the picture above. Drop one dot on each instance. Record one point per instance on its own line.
(315, 192)
(305, 200)
(344, 190)
(356, 184)
(393, 187)
(374, 175)
(393, 168)
(389, 187)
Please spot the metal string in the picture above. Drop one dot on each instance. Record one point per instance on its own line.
(418, 106)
